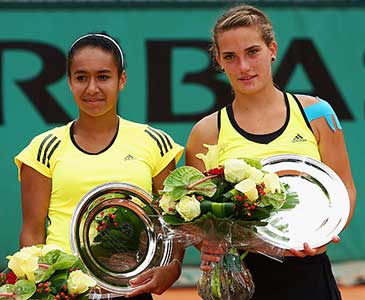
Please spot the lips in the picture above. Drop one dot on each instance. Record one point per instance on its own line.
(246, 78)
(92, 100)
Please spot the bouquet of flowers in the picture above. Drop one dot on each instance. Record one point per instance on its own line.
(223, 205)
(44, 272)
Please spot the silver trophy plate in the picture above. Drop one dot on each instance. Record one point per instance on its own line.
(117, 234)
(323, 207)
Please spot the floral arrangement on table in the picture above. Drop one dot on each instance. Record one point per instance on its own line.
(223, 205)
(44, 272)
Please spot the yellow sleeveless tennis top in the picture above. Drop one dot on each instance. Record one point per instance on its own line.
(294, 137)
(136, 155)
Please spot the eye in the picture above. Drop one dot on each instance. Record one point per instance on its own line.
(253, 51)
(80, 78)
(103, 77)
(228, 57)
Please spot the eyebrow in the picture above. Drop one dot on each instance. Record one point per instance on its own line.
(246, 49)
(83, 72)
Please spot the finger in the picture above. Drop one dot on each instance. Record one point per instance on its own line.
(297, 253)
(336, 239)
(140, 290)
(142, 279)
(213, 250)
(308, 250)
(210, 258)
(205, 266)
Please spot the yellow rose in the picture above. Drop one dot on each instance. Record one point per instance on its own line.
(210, 159)
(188, 207)
(78, 282)
(24, 263)
(248, 187)
(167, 204)
(272, 183)
(235, 170)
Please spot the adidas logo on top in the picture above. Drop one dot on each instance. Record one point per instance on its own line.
(128, 157)
(298, 138)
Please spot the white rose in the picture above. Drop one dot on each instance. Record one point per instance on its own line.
(255, 174)
(235, 170)
(167, 204)
(78, 282)
(188, 207)
(272, 183)
(248, 187)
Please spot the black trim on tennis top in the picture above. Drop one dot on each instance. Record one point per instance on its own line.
(90, 153)
(44, 156)
(303, 112)
(162, 140)
(260, 138)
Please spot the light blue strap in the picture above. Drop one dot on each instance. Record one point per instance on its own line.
(322, 109)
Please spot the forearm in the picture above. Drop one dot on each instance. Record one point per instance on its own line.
(32, 236)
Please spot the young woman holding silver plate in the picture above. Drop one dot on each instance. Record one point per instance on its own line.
(61, 165)
(264, 121)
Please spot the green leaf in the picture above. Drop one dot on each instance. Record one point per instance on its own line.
(24, 289)
(182, 177)
(7, 289)
(42, 274)
(180, 181)
(173, 220)
(253, 163)
(64, 261)
(59, 280)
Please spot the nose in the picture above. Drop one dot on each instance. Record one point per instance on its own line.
(243, 64)
(92, 86)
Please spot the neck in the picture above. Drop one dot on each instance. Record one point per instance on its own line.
(96, 125)
(267, 98)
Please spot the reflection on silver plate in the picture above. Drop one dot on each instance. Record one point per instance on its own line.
(117, 235)
(323, 203)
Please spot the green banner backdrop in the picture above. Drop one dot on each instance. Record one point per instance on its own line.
(170, 82)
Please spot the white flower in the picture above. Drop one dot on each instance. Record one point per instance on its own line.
(167, 204)
(272, 183)
(235, 170)
(78, 282)
(24, 262)
(188, 207)
(248, 187)
(255, 174)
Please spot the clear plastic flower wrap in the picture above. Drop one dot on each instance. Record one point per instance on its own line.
(221, 209)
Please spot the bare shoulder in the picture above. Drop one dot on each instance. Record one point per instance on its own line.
(206, 129)
(306, 100)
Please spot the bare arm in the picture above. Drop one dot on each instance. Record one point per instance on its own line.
(332, 148)
(333, 152)
(35, 195)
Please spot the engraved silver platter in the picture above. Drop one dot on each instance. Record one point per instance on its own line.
(323, 206)
(118, 235)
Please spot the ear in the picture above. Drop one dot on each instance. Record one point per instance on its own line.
(219, 61)
(122, 80)
(273, 49)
